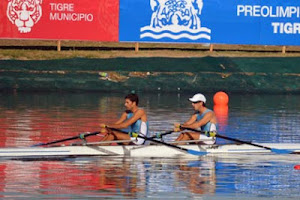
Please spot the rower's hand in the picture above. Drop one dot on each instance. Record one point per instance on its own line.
(103, 128)
(177, 127)
(102, 125)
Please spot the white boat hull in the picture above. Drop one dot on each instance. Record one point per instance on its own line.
(139, 151)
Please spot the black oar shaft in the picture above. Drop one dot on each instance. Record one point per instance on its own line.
(240, 141)
(68, 139)
(162, 134)
(228, 138)
(166, 144)
(58, 141)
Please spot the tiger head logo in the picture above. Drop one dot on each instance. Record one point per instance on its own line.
(176, 13)
(24, 13)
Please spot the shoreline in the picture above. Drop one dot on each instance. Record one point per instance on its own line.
(272, 75)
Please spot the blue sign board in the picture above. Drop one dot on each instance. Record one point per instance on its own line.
(263, 22)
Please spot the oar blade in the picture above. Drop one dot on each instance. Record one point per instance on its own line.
(196, 153)
(282, 151)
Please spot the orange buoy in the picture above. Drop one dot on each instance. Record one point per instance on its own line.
(297, 167)
(221, 98)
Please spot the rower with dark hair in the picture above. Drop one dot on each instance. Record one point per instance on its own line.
(133, 118)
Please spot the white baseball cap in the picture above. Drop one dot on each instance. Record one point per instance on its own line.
(198, 97)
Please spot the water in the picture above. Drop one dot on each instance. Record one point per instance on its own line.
(30, 118)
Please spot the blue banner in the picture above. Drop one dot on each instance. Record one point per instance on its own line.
(262, 22)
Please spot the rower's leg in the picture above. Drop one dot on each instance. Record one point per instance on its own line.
(181, 137)
(107, 137)
(122, 136)
(187, 136)
(192, 136)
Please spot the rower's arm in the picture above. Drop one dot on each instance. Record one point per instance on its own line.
(130, 121)
(206, 118)
(190, 121)
(122, 118)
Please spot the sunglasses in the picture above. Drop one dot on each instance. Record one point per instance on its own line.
(196, 102)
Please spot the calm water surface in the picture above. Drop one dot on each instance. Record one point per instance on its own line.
(27, 119)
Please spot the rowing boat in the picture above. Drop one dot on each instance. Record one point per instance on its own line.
(155, 150)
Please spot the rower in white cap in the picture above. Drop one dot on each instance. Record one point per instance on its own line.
(203, 118)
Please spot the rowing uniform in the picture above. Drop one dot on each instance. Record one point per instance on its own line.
(139, 127)
(207, 127)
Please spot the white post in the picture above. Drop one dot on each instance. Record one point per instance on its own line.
(58, 45)
(211, 48)
(283, 49)
(136, 47)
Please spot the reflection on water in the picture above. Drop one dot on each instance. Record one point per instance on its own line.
(148, 178)
(259, 176)
(107, 177)
(27, 119)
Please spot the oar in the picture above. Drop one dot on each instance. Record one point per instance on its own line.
(214, 134)
(80, 136)
(189, 151)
